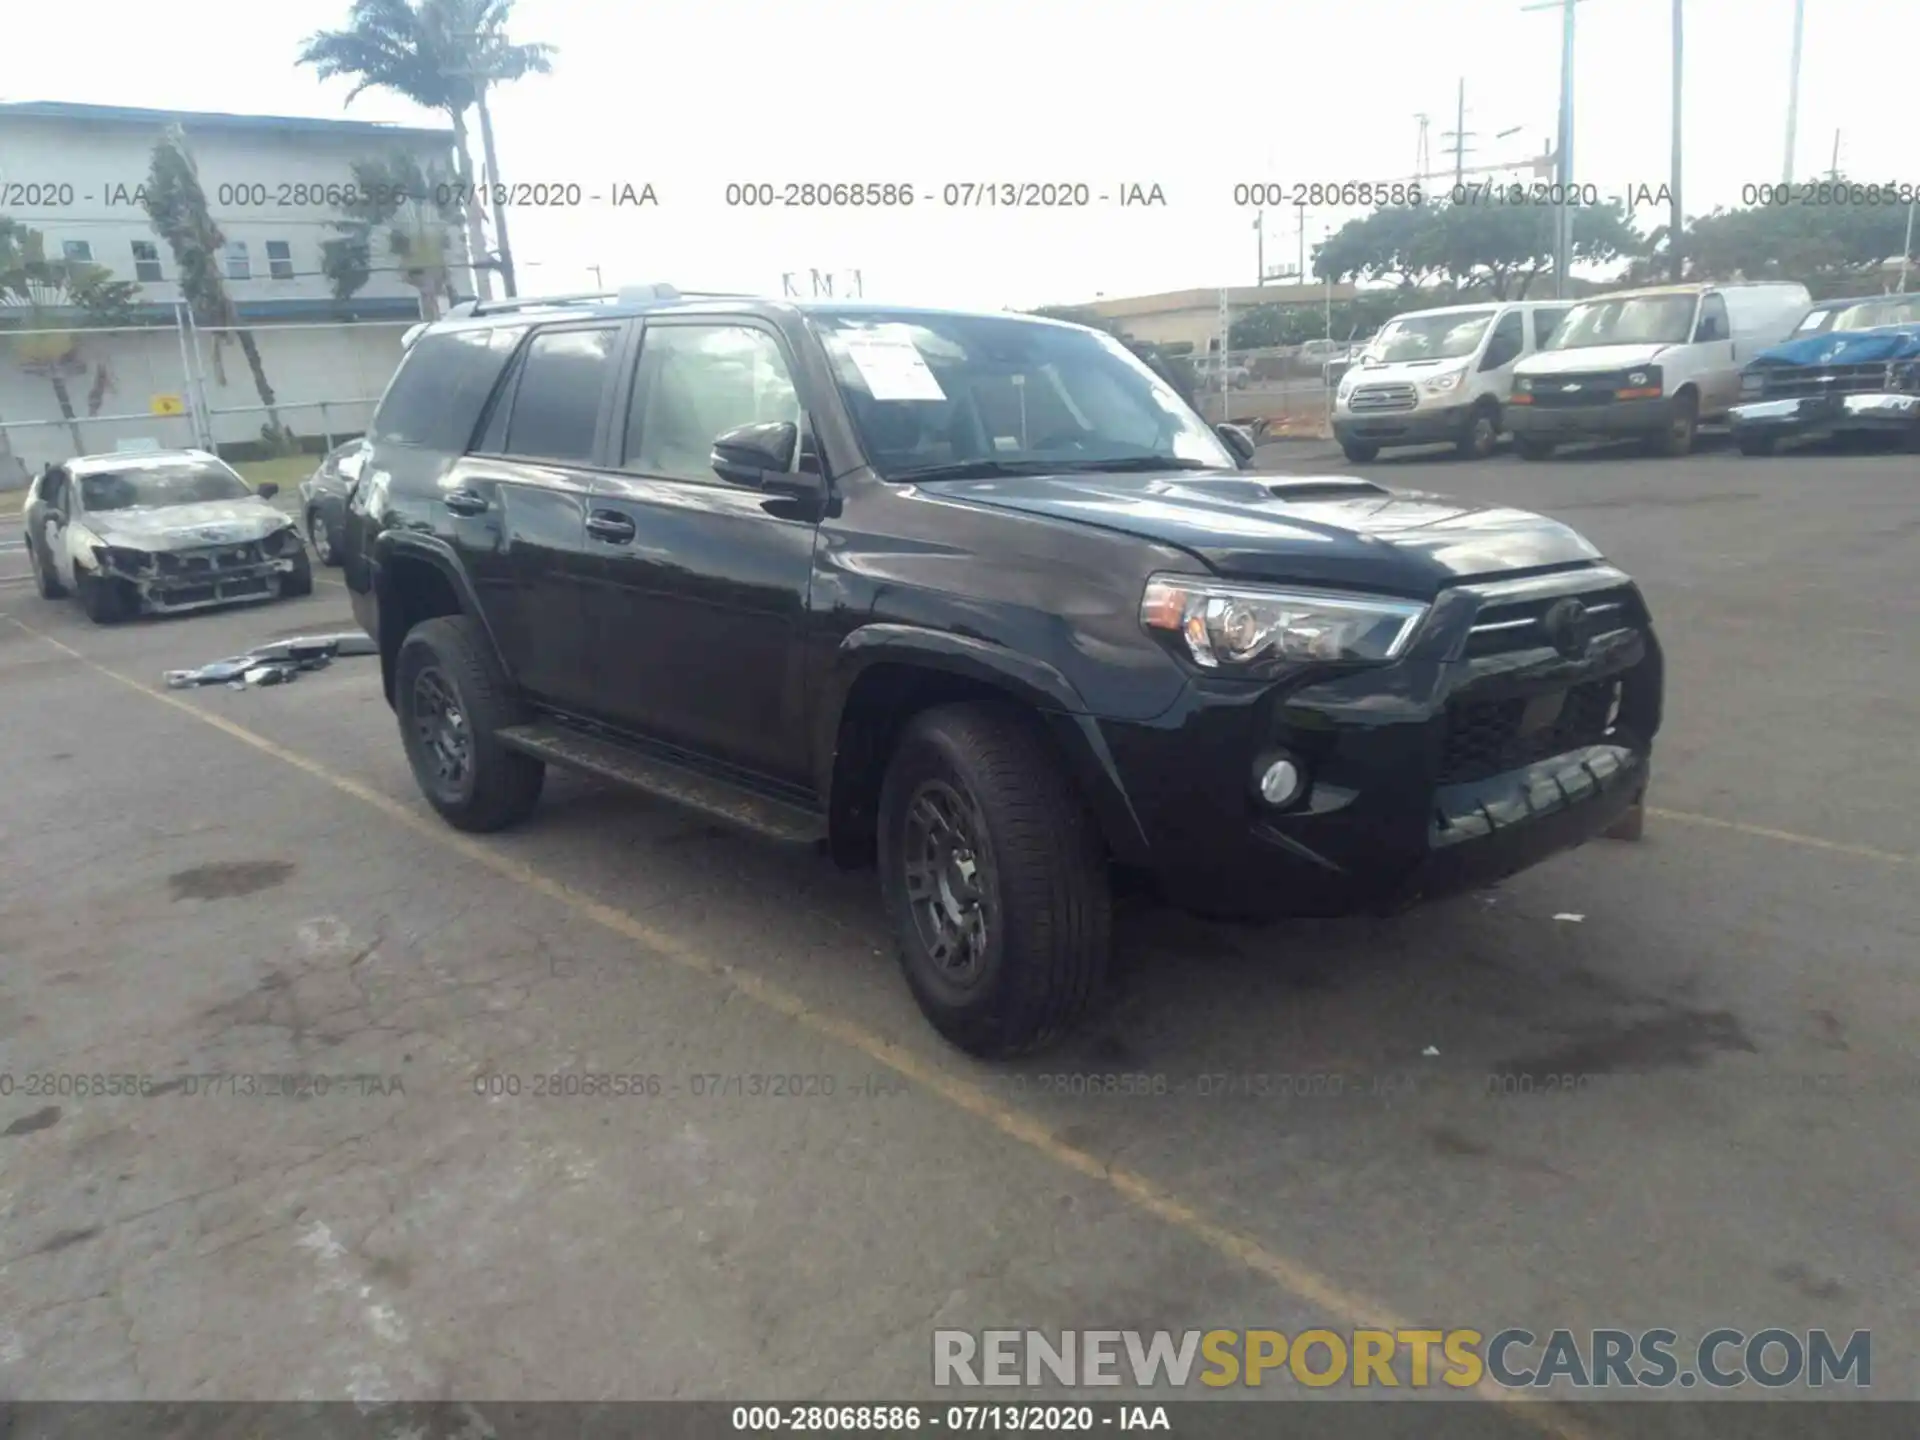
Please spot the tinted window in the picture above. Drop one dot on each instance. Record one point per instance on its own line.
(1509, 339)
(1544, 323)
(696, 383)
(443, 385)
(557, 402)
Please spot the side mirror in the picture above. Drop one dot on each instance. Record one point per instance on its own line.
(267, 489)
(762, 456)
(1239, 440)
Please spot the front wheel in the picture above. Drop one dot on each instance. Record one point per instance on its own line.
(452, 700)
(1359, 452)
(320, 533)
(44, 579)
(1481, 435)
(1677, 437)
(1529, 447)
(299, 580)
(106, 600)
(995, 880)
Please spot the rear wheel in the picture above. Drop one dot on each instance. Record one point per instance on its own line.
(1758, 444)
(1359, 452)
(106, 600)
(994, 879)
(452, 699)
(1532, 448)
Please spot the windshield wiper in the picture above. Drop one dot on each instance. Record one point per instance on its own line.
(995, 469)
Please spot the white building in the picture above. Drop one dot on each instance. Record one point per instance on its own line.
(75, 173)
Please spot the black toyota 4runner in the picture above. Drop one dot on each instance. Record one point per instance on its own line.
(977, 597)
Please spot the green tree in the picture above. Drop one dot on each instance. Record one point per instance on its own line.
(1169, 362)
(1836, 248)
(442, 55)
(177, 208)
(65, 297)
(401, 221)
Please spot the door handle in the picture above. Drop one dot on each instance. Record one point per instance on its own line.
(465, 502)
(610, 526)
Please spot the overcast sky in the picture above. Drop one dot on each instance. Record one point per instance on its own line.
(1193, 98)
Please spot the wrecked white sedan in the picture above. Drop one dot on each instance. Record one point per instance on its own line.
(158, 532)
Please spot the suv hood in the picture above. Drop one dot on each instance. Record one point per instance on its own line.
(1846, 347)
(1590, 358)
(185, 527)
(1332, 530)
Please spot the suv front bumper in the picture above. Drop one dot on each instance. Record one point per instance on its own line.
(1887, 412)
(1445, 771)
(1617, 419)
(1403, 427)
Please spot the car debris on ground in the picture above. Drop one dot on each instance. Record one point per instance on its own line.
(279, 662)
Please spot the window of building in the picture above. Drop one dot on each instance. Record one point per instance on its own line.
(280, 259)
(239, 267)
(77, 252)
(557, 404)
(146, 260)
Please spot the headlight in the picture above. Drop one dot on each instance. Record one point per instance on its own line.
(280, 542)
(1254, 630)
(115, 557)
(1440, 384)
(1524, 382)
(1638, 377)
(1752, 384)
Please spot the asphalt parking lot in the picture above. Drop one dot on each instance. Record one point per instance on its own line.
(246, 883)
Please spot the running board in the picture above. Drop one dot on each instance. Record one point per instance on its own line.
(766, 815)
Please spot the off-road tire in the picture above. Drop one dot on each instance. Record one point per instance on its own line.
(299, 580)
(1530, 447)
(1046, 904)
(105, 599)
(1359, 452)
(501, 786)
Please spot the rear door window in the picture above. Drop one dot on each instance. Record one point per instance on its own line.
(436, 399)
(1712, 324)
(1545, 322)
(563, 381)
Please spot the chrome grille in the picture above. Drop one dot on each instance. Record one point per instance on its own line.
(1794, 382)
(1371, 399)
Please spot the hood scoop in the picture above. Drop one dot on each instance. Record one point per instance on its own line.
(1258, 492)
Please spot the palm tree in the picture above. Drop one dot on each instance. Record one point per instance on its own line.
(415, 231)
(45, 295)
(177, 208)
(442, 55)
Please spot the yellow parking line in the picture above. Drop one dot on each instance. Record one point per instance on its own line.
(1136, 1189)
(1788, 837)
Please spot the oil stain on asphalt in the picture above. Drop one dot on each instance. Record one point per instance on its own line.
(229, 879)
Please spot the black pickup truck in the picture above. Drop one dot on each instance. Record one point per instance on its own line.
(980, 599)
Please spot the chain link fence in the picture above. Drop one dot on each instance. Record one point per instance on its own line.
(1281, 389)
(81, 391)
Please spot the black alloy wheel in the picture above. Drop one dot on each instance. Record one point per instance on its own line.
(949, 872)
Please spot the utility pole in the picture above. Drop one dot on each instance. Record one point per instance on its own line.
(1460, 133)
(1303, 245)
(1833, 172)
(1676, 220)
(1793, 92)
(1563, 169)
(1423, 157)
(1259, 248)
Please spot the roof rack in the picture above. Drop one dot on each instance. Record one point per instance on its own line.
(626, 295)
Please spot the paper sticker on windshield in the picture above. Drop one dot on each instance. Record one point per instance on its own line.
(893, 368)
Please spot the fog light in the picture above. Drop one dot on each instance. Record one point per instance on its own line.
(1280, 782)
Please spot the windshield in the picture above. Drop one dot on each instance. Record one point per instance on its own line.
(189, 482)
(1630, 320)
(1863, 315)
(1430, 337)
(936, 390)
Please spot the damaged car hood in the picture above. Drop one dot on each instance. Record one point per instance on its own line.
(1847, 347)
(1330, 529)
(185, 527)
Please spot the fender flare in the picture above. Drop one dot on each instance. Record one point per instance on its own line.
(1034, 682)
(391, 545)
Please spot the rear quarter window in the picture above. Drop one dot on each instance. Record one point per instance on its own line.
(436, 398)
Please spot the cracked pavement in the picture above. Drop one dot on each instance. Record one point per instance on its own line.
(181, 905)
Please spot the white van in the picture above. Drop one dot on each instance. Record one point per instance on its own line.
(1439, 376)
(1651, 363)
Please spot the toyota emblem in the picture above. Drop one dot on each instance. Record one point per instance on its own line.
(1569, 628)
